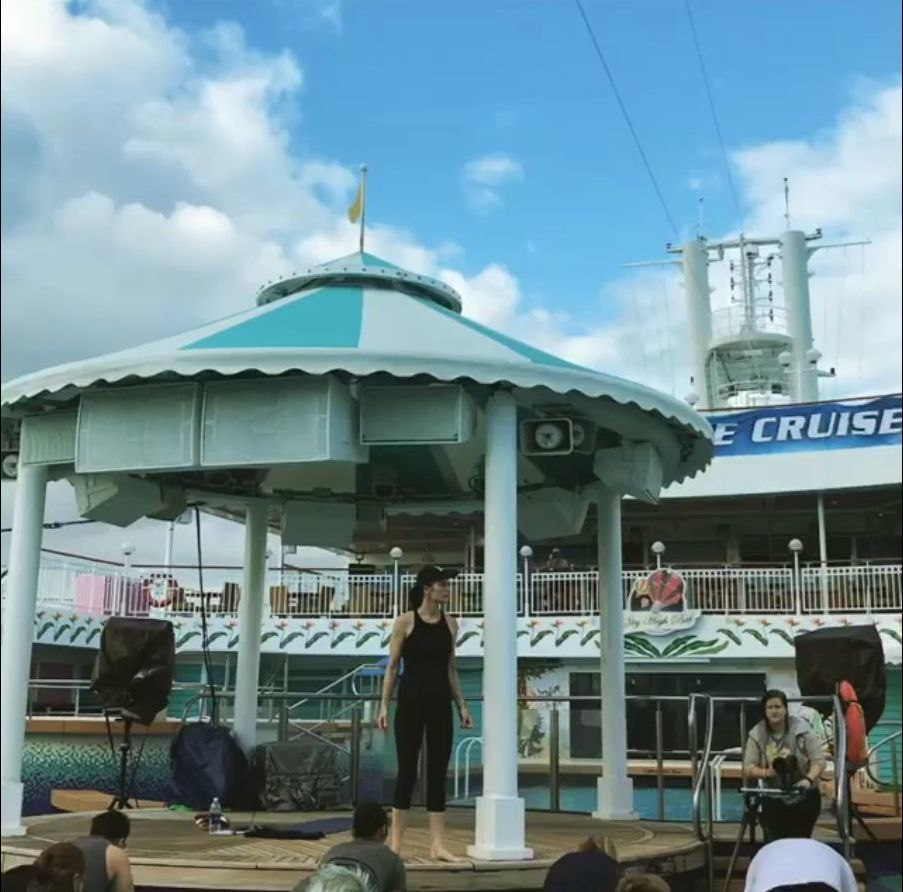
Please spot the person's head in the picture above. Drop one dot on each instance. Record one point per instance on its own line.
(804, 887)
(17, 879)
(338, 878)
(774, 706)
(61, 868)
(113, 826)
(643, 882)
(595, 844)
(798, 865)
(431, 586)
(370, 822)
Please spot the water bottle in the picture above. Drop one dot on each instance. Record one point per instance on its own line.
(215, 816)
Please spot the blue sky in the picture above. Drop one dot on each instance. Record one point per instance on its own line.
(418, 89)
(211, 146)
(163, 160)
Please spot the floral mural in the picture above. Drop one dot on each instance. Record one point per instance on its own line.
(713, 636)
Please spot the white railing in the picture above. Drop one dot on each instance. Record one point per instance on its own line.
(107, 589)
(564, 593)
(858, 589)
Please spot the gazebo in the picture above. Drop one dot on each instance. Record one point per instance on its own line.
(351, 389)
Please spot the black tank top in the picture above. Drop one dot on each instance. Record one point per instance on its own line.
(426, 652)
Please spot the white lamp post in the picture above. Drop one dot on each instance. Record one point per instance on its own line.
(796, 546)
(396, 554)
(128, 549)
(526, 552)
(658, 549)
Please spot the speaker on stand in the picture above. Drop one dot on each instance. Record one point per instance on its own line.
(133, 677)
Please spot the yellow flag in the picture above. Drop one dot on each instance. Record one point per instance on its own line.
(355, 211)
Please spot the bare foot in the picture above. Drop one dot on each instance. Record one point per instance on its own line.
(443, 854)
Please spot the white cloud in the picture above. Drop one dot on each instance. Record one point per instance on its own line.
(146, 190)
(483, 177)
(848, 180)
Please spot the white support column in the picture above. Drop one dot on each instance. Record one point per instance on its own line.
(500, 819)
(695, 262)
(250, 615)
(822, 551)
(18, 633)
(614, 788)
(794, 265)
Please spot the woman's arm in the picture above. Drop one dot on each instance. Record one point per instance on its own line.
(752, 769)
(396, 643)
(815, 756)
(454, 681)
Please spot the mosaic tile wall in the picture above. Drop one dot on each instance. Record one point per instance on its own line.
(57, 761)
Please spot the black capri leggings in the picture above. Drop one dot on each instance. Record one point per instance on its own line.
(411, 720)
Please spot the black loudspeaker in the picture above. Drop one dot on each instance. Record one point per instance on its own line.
(826, 657)
(134, 668)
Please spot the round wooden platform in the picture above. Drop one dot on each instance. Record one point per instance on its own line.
(168, 852)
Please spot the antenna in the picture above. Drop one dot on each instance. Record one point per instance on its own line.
(787, 201)
(701, 220)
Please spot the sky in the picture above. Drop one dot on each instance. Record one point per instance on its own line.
(162, 160)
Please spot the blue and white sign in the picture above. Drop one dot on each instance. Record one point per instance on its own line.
(845, 425)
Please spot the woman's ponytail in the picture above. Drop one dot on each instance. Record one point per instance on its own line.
(415, 596)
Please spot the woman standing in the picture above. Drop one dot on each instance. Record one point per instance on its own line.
(782, 751)
(424, 638)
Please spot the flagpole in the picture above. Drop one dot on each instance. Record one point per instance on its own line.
(363, 203)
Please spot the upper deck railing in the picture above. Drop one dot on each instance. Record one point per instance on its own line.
(68, 583)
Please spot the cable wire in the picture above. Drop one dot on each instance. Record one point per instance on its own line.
(708, 93)
(629, 122)
(205, 641)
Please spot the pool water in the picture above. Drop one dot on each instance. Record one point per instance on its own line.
(579, 795)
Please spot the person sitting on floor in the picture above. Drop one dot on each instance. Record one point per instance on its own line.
(643, 882)
(61, 868)
(336, 878)
(107, 867)
(368, 850)
(799, 864)
(16, 879)
(589, 869)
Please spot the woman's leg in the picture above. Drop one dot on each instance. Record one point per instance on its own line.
(409, 723)
(439, 734)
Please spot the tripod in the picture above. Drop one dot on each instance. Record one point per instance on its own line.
(121, 799)
(752, 803)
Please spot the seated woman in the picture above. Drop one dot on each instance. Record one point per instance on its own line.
(589, 869)
(60, 868)
(784, 753)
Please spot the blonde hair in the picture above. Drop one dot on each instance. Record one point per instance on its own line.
(643, 882)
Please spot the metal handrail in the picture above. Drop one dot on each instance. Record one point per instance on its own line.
(700, 775)
(894, 767)
(841, 779)
(466, 744)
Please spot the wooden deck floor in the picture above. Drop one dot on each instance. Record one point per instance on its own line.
(168, 852)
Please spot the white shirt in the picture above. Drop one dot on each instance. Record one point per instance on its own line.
(788, 862)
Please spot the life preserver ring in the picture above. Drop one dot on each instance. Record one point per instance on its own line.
(854, 721)
(160, 589)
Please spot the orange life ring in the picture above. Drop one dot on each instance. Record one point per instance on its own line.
(156, 582)
(854, 720)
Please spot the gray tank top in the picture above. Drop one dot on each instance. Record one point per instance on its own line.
(94, 848)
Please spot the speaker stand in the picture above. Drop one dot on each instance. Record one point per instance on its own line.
(121, 799)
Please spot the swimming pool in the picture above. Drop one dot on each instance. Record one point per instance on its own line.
(579, 795)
